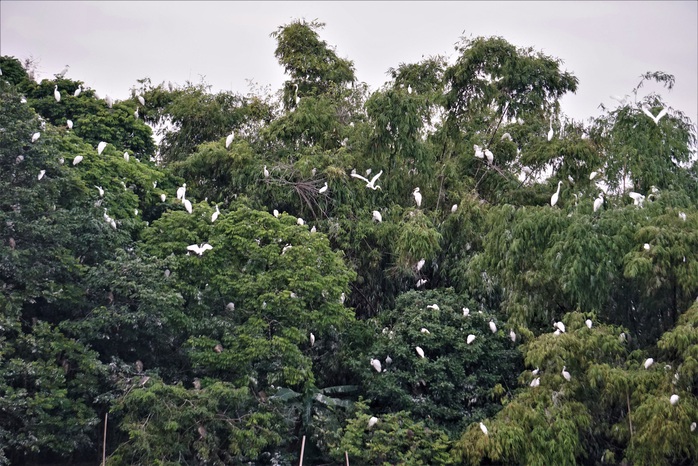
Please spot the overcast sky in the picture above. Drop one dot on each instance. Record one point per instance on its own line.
(110, 45)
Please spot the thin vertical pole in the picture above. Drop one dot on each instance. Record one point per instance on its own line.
(104, 441)
(302, 451)
(346, 457)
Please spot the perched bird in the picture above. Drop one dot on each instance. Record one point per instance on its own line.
(372, 421)
(77, 160)
(417, 197)
(377, 216)
(470, 339)
(454, 207)
(535, 382)
(369, 184)
(199, 249)
(493, 326)
(126, 156)
(535, 372)
(266, 172)
(300, 221)
(36, 136)
(483, 428)
(141, 99)
(646, 246)
(323, 189)
(109, 100)
(654, 118)
(181, 191)
(588, 323)
(421, 282)
(674, 399)
(433, 306)
(409, 89)
(559, 325)
(420, 264)
(478, 152)
(592, 175)
(163, 197)
(425, 331)
(41, 174)
(506, 136)
(77, 91)
(135, 114)
(638, 199)
(512, 335)
(598, 202)
(229, 139)
(100, 190)
(648, 363)
(100, 147)
(388, 360)
(376, 364)
(551, 132)
(556, 195)
(693, 426)
(312, 339)
(566, 374)
(187, 205)
(466, 312)
(215, 215)
(69, 123)
(682, 216)
(56, 94)
(276, 213)
(419, 351)
(490, 156)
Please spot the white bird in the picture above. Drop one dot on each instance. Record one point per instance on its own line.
(592, 175)
(126, 156)
(199, 249)
(693, 426)
(141, 99)
(285, 248)
(638, 199)
(187, 205)
(506, 136)
(489, 155)
(535, 382)
(588, 323)
(388, 360)
(551, 132)
(56, 94)
(109, 100)
(369, 184)
(300, 221)
(598, 202)
(648, 363)
(377, 216)
(36, 136)
(433, 306)
(276, 213)
(557, 332)
(181, 191)
(425, 331)
(323, 189)
(466, 312)
(493, 326)
(535, 372)
(646, 246)
(376, 364)
(419, 351)
(421, 282)
(409, 89)
(420, 264)
(512, 335)
(372, 422)
(77, 91)
(556, 195)
(682, 216)
(266, 172)
(215, 215)
(100, 190)
(229, 139)
(478, 152)
(674, 399)
(470, 339)
(483, 428)
(77, 160)
(417, 197)
(135, 114)
(41, 174)
(654, 118)
(100, 147)
(560, 326)
(454, 207)
(70, 124)
(312, 339)
(566, 374)
(163, 197)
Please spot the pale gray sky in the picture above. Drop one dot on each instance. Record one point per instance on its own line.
(110, 45)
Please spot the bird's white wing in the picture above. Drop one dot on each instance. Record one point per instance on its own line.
(356, 175)
(660, 115)
(193, 247)
(207, 247)
(375, 178)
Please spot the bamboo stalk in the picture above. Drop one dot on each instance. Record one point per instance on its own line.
(104, 441)
(302, 451)
(630, 421)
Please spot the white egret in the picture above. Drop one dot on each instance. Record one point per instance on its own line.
(187, 205)
(141, 99)
(409, 89)
(377, 216)
(598, 202)
(512, 335)
(300, 221)
(323, 189)
(69, 123)
(229, 139)
(313, 230)
(566, 374)
(126, 156)
(646, 246)
(506, 136)
(588, 323)
(421, 282)
(425, 331)
(417, 197)
(100, 147)
(454, 207)
(638, 199)
(557, 332)
(682, 216)
(592, 175)
(376, 364)
(420, 264)
(466, 312)
(56, 94)
(181, 191)
(135, 114)
(535, 382)
(433, 306)
(674, 399)
(419, 351)
(312, 339)
(77, 160)
(556, 195)
(470, 339)
(489, 155)
(560, 326)
(535, 372)
(36, 136)
(266, 172)
(369, 184)
(493, 326)
(483, 428)
(654, 118)
(478, 152)
(693, 426)
(276, 213)
(41, 174)
(163, 197)
(215, 215)
(551, 132)
(372, 421)
(199, 249)
(648, 363)
(109, 100)
(77, 91)
(570, 179)
(100, 190)
(388, 360)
